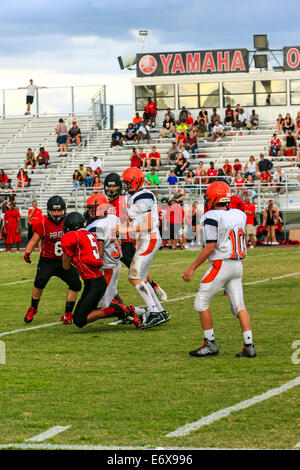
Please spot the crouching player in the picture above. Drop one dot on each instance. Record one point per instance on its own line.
(223, 236)
(80, 247)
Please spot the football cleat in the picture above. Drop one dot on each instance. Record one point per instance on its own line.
(247, 351)
(153, 319)
(132, 316)
(120, 310)
(166, 315)
(161, 294)
(30, 314)
(208, 348)
(67, 319)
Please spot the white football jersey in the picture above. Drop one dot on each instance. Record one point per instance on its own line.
(138, 206)
(227, 229)
(104, 231)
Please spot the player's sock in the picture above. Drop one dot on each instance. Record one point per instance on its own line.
(34, 302)
(209, 334)
(108, 311)
(69, 307)
(247, 337)
(139, 310)
(145, 293)
(155, 299)
(153, 284)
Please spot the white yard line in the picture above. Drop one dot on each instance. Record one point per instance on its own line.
(45, 325)
(16, 282)
(190, 427)
(297, 445)
(47, 434)
(99, 447)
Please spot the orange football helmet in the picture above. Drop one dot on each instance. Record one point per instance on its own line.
(216, 193)
(97, 206)
(133, 179)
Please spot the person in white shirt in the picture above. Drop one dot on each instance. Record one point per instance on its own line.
(241, 119)
(31, 89)
(144, 132)
(96, 166)
(223, 240)
(218, 131)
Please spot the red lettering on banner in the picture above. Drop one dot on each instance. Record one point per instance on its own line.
(223, 62)
(209, 63)
(237, 62)
(193, 62)
(293, 64)
(166, 62)
(178, 64)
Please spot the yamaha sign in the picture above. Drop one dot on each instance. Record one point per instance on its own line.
(189, 63)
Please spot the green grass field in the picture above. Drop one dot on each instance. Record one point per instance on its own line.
(118, 386)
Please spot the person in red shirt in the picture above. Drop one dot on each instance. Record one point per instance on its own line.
(250, 227)
(49, 229)
(212, 171)
(153, 159)
(227, 168)
(135, 160)
(11, 228)
(237, 166)
(42, 157)
(34, 213)
(239, 182)
(237, 203)
(150, 111)
(80, 247)
(175, 221)
(22, 179)
(143, 157)
(189, 120)
(3, 179)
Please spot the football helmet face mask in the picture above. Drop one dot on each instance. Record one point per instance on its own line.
(96, 207)
(56, 209)
(113, 187)
(133, 179)
(217, 192)
(73, 221)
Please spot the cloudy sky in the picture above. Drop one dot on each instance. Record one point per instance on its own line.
(62, 43)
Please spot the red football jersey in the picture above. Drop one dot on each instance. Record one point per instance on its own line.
(237, 203)
(82, 246)
(51, 234)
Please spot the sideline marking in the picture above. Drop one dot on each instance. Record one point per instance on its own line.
(30, 328)
(99, 447)
(188, 428)
(16, 282)
(47, 434)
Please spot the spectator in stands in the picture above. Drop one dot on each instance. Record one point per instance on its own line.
(181, 132)
(275, 146)
(153, 159)
(290, 149)
(143, 158)
(167, 127)
(96, 166)
(172, 178)
(229, 118)
(130, 133)
(88, 177)
(270, 218)
(135, 160)
(217, 131)
(183, 114)
(212, 172)
(200, 174)
(179, 193)
(200, 128)
(62, 137)
(77, 180)
(204, 115)
(29, 159)
(250, 226)
(137, 121)
(254, 120)
(22, 180)
(279, 180)
(251, 168)
(191, 144)
(190, 180)
(31, 89)
(153, 177)
(42, 158)
(116, 139)
(4, 180)
(144, 132)
(150, 111)
(214, 118)
(264, 164)
(173, 151)
(74, 135)
(34, 213)
(181, 165)
(171, 115)
(236, 113)
(249, 187)
(175, 222)
(97, 185)
(279, 123)
(237, 166)
(227, 168)
(12, 230)
(239, 184)
(81, 169)
(241, 121)
(189, 121)
(185, 153)
(288, 124)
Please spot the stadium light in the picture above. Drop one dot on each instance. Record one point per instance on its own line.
(261, 61)
(127, 61)
(143, 32)
(261, 42)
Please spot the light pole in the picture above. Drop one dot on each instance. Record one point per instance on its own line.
(143, 33)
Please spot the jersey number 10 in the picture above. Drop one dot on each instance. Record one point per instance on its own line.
(238, 244)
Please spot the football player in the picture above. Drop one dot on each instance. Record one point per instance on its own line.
(223, 237)
(113, 190)
(49, 229)
(80, 247)
(143, 213)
